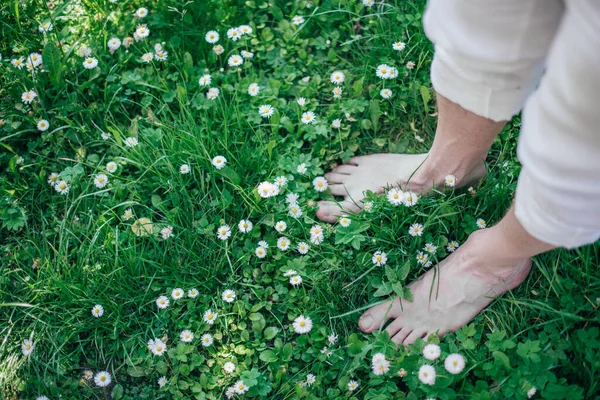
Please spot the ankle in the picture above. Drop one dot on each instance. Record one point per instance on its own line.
(435, 169)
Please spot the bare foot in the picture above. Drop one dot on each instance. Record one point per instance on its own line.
(465, 288)
(376, 172)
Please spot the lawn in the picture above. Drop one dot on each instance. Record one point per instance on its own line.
(160, 165)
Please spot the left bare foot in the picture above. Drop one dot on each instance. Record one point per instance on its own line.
(464, 288)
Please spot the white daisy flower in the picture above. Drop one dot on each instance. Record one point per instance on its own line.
(399, 46)
(162, 381)
(141, 32)
(368, 3)
(450, 180)
(102, 379)
(260, 252)
(281, 181)
(97, 311)
(177, 293)
(114, 44)
(62, 187)
(432, 352)
(280, 226)
(454, 363)
(205, 80)
(184, 169)
(310, 379)
(101, 181)
(410, 199)
(45, 27)
(53, 178)
(379, 258)
(245, 226)
(235, 60)
(301, 101)
(36, 58)
(210, 317)
(452, 246)
(386, 93)
(427, 374)
(531, 392)
(18, 63)
(147, 57)
(308, 117)
(224, 232)
(302, 325)
(337, 77)
(345, 221)
(127, 214)
(229, 367)
(245, 29)
(292, 198)
(296, 280)
(368, 206)
(267, 189)
(141, 12)
(336, 123)
(383, 71)
(298, 20)
(430, 248)
(283, 243)
(206, 340)
(480, 223)
(301, 169)
(186, 336)
(90, 63)
(234, 34)
(303, 248)
(240, 387)
(157, 347)
(352, 386)
(218, 49)
(219, 162)
(415, 230)
(228, 296)
(43, 125)
(395, 196)
(212, 37)
(247, 54)
(337, 92)
(193, 293)
(253, 89)
(332, 338)
(422, 258)
(295, 211)
(27, 347)
(111, 167)
(410, 65)
(162, 302)
(42, 398)
(266, 111)
(131, 142)
(230, 392)
(290, 272)
(320, 184)
(28, 97)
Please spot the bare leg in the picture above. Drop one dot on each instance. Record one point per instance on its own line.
(461, 143)
(491, 262)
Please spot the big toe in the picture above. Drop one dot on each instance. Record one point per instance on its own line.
(330, 211)
(366, 323)
(376, 316)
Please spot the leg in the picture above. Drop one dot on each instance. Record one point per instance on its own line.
(481, 79)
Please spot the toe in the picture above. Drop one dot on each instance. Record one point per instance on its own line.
(328, 211)
(414, 335)
(334, 177)
(400, 336)
(376, 316)
(345, 169)
(339, 190)
(395, 327)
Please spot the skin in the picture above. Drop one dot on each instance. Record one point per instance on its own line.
(491, 262)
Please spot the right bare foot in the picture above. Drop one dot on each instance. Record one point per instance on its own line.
(376, 172)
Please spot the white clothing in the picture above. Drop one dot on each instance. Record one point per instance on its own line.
(496, 57)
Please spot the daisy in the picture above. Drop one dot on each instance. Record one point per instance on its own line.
(206, 340)
(427, 374)
(317, 238)
(141, 12)
(224, 232)
(395, 196)
(290, 272)
(111, 167)
(432, 352)
(415, 230)
(247, 54)
(186, 336)
(263, 244)
(336, 123)
(399, 46)
(28, 97)
(454, 363)
(234, 34)
(245, 226)
(383, 71)
(352, 386)
(235, 60)
(36, 59)
(102, 379)
(422, 258)
(45, 27)
(368, 3)
(410, 65)
(301, 101)
(78, 11)
(266, 111)
(245, 29)
(531, 392)
(320, 184)
(84, 51)
(141, 32)
(62, 187)
(177, 293)
(43, 125)
(184, 169)
(379, 258)
(386, 93)
(337, 92)
(295, 211)
(281, 181)
(193, 293)
(332, 338)
(41, 398)
(162, 302)
(205, 80)
(147, 57)
(292, 198)
(113, 44)
(430, 248)
(253, 89)
(298, 20)
(240, 387)
(219, 162)
(302, 325)
(480, 223)
(166, 232)
(53, 178)
(337, 77)
(260, 252)
(301, 169)
(450, 180)
(100, 181)
(296, 280)
(310, 379)
(18, 62)
(162, 381)
(380, 368)
(283, 243)
(280, 226)
(345, 221)
(131, 142)
(452, 246)
(230, 392)
(228, 296)
(97, 311)
(210, 317)
(27, 347)
(157, 347)
(267, 189)
(212, 93)
(368, 206)
(303, 248)
(393, 73)
(212, 37)
(218, 49)
(127, 214)
(229, 367)
(308, 117)
(410, 199)
(90, 63)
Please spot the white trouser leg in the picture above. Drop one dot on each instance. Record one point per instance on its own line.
(489, 54)
(558, 195)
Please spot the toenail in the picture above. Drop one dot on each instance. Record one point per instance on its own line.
(366, 321)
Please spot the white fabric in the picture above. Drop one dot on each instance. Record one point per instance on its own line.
(489, 58)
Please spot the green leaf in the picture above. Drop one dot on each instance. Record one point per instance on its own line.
(52, 63)
(426, 96)
(383, 290)
(286, 352)
(403, 271)
(270, 332)
(117, 392)
(375, 113)
(230, 174)
(503, 359)
(136, 372)
(390, 274)
(268, 356)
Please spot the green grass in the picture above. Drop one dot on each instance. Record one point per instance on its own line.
(86, 254)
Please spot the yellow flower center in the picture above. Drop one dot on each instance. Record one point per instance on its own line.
(425, 374)
(455, 363)
(302, 323)
(209, 316)
(159, 348)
